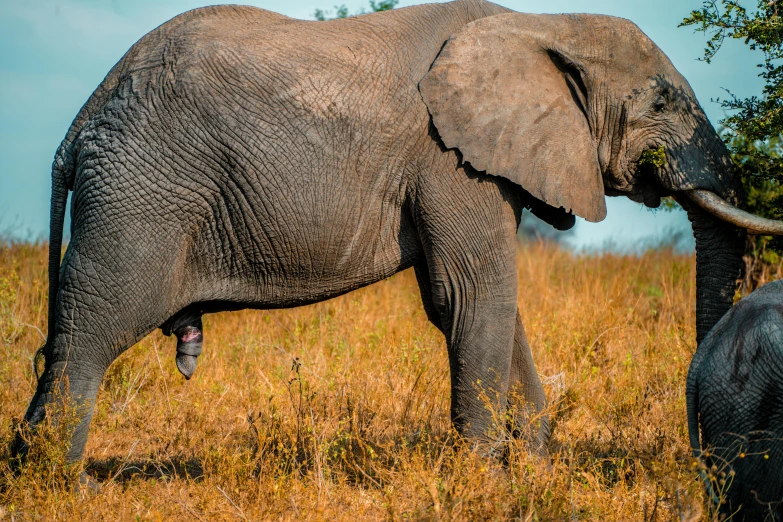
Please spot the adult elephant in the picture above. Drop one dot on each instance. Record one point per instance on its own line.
(235, 158)
(735, 395)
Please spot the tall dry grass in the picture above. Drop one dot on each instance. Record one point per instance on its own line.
(339, 410)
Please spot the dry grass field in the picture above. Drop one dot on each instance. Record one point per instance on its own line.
(339, 410)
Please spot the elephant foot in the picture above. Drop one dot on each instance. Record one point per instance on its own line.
(86, 485)
(189, 341)
(18, 451)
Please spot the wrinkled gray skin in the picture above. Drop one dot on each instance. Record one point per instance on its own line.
(735, 395)
(235, 158)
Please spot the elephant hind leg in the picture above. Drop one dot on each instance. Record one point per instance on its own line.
(187, 327)
(106, 302)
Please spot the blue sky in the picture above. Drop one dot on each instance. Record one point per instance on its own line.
(53, 53)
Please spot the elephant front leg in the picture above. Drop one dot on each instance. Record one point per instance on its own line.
(480, 343)
(473, 301)
(467, 226)
(526, 398)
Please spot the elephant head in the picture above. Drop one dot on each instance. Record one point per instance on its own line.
(569, 107)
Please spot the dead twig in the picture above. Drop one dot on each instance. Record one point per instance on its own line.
(239, 510)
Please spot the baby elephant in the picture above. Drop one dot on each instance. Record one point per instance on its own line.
(735, 395)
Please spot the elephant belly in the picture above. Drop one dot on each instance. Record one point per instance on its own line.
(306, 246)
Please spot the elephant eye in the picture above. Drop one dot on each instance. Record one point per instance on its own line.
(659, 105)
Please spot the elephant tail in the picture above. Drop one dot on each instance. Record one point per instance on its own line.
(692, 404)
(60, 187)
(63, 174)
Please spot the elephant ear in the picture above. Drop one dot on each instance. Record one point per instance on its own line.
(517, 108)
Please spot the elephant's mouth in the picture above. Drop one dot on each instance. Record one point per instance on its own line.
(650, 192)
(641, 183)
(649, 167)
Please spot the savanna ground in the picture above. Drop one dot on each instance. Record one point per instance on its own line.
(340, 410)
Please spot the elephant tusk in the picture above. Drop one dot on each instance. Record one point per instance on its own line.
(721, 209)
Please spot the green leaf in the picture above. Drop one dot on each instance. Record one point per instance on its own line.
(341, 11)
(654, 157)
(754, 125)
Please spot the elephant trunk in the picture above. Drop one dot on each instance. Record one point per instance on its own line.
(719, 249)
(700, 172)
